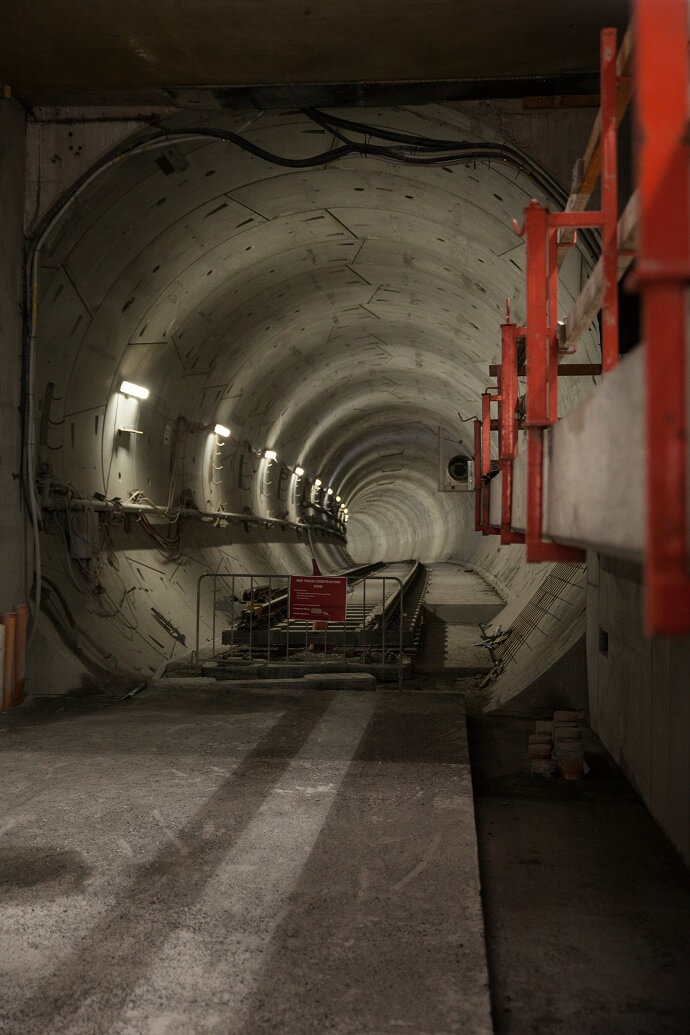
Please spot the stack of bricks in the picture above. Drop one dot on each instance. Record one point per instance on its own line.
(557, 747)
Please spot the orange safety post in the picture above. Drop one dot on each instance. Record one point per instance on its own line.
(9, 620)
(22, 613)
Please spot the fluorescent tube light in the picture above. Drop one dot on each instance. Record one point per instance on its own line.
(127, 388)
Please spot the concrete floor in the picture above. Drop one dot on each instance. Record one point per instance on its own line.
(456, 601)
(184, 863)
(587, 905)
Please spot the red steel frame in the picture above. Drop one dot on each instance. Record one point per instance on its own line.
(485, 487)
(541, 230)
(478, 489)
(508, 426)
(663, 273)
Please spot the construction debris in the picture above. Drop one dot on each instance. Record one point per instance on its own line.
(557, 748)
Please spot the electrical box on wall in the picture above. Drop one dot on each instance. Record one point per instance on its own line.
(455, 467)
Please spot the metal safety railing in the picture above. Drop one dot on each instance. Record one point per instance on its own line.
(257, 625)
(654, 230)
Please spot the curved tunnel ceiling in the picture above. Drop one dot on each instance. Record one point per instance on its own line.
(338, 315)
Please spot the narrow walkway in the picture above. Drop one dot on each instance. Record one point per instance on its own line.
(250, 863)
(456, 601)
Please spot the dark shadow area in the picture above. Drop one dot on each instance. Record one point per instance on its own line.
(586, 904)
(40, 872)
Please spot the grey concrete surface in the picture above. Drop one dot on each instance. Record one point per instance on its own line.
(596, 506)
(638, 694)
(82, 51)
(182, 864)
(456, 601)
(586, 903)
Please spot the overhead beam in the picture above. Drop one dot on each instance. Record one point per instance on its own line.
(564, 370)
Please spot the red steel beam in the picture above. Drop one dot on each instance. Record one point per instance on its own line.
(486, 434)
(663, 273)
(609, 201)
(509, 391)
(536, 548)
(564, 370)
(576, 219)
(478, 475)
(552, 341)
(508, 426)
(536, 219)
(486, 461)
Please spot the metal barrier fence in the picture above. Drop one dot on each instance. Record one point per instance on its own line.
(258, 624)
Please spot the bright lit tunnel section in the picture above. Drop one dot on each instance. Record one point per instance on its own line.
(334, 316)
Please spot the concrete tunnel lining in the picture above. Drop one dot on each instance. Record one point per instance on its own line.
(317, 312)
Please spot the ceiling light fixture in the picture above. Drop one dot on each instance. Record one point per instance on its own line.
(221, 430)
(329, 492)
(270, 454)
(317, 483)
(299, 471)
(139, 392)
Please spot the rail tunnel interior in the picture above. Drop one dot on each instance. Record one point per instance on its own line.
(338, 314)
(241, 334)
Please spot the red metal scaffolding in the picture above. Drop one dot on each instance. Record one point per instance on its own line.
(663, 274)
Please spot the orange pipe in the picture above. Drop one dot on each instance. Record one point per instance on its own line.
(9, 620)
(22, 613)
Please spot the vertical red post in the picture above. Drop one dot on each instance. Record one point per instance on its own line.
(536, 218)
(663, 271)
(552, 344)
(478, 483)
(486, 433)
(509, 391)
(535, 476)
(486, 459)
(508, 429)
(609, 201)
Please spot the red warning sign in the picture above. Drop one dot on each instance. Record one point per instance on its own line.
(317, 598)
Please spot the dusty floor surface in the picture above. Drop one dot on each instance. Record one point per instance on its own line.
(455, 602)
(252, 863)
(587, 905)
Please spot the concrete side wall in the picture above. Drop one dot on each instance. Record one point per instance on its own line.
(638, 695)
(12, 129)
